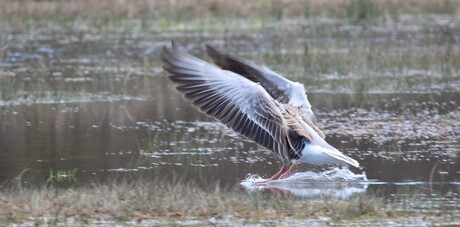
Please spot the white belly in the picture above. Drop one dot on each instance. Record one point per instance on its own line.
(317, 155)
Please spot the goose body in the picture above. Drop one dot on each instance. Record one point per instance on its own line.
(256, 102)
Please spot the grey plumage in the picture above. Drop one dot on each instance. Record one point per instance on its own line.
(252, 100)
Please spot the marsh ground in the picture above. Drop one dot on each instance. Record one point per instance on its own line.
(84, 103)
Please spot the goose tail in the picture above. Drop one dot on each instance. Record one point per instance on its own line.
(319, 155)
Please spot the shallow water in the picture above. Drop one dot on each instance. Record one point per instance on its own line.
(99, 106)
(337, 183)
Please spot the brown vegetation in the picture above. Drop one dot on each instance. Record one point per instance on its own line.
(157, 200)
(173, 9)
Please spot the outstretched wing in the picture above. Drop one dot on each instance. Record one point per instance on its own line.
(280, 88)
(239, 103)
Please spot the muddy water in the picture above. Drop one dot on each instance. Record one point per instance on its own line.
(162, 135)
(99, 106)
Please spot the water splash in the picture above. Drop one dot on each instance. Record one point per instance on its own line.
(336, 182)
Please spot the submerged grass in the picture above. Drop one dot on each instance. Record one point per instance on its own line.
(355, 58)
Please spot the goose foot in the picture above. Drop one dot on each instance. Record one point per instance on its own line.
(284, 172)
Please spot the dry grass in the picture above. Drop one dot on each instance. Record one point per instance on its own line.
(173, 9)
(157, 202)
(154, 200)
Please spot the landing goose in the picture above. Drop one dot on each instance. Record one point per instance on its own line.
(256, 102)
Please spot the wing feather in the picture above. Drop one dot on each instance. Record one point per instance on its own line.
(276, 85)
(279, 88)
(236, 101)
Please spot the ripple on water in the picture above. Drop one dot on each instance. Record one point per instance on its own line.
(336, 183)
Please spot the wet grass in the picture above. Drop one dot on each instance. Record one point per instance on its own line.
(44, 54)
(367, 68)
(159, 201)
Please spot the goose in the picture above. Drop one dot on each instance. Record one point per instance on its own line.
(255, 102)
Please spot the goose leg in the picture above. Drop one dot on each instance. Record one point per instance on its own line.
(283, 169)
(284, 172)
(288, 172)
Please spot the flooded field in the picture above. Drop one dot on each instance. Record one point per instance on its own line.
(80, 104)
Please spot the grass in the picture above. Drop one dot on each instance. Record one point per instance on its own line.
(159, 200)
(184, 10)
(356, 68)
(164, 15)
(176, 201)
